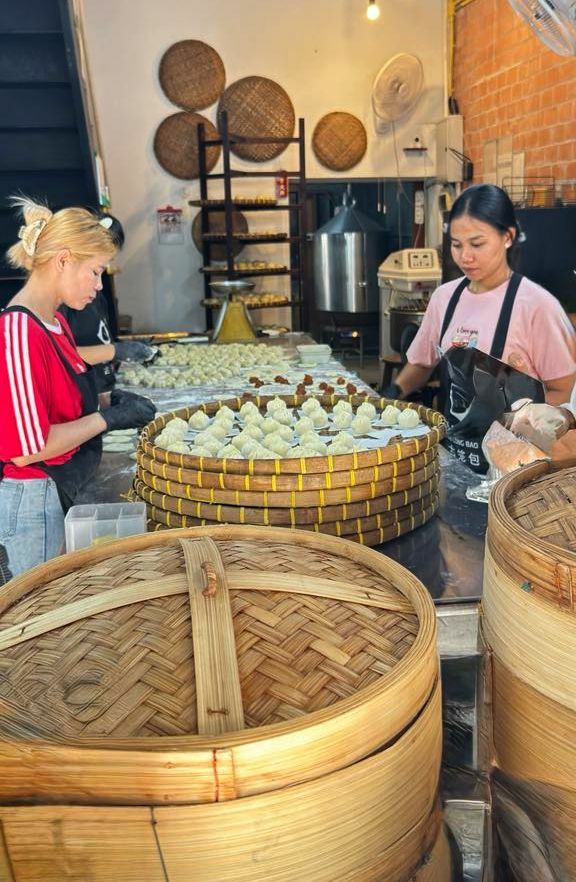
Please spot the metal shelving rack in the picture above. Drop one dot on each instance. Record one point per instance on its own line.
(295, 235)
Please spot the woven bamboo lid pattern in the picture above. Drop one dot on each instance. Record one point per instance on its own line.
(192, 74)
(217, 224)
(532, 531)
(176, 145)
(339, 141)
(216, 637)
(257, 107)
(546, 507)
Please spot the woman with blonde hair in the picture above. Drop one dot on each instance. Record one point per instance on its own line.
(50, 443)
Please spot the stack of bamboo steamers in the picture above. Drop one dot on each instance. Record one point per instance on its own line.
(369, 496)
(225, 704)
(529, 624)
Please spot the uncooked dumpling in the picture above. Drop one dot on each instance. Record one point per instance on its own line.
(389, 416)
(303, 425)
(251, 430)
(248, 407)
(361, 425)
(408, 418)
(366, 409)
(225, 412)
(178, 447)
(177, 425)
(200, 451)
(274, 405)
(229, 452)
(319, 418)
(283, 416)
(342, 405)
(199, 420)
(269, 425)
(310, 405)
(218, 430)
(343, 441)
(285, 432)
(342, 419)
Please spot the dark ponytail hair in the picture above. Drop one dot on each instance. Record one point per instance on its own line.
(114, 227)
(491, 205)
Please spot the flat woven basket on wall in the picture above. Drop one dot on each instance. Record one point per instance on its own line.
(256, 687)
(192, 74)
(257, 108)
(217, 224)
(370, 496)
(339, 141)
(529, 626)
(176, 145)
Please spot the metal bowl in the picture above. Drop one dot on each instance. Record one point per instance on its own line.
(231, 286)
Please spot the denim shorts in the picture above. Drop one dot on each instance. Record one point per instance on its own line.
(31, 522)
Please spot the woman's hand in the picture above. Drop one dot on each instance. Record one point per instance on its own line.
(541, 424)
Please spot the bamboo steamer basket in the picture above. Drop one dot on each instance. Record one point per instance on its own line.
(326, 493)
(181, 701)
(312, 465)
(529, 626)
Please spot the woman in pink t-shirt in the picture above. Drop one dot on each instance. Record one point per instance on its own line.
(494, 310)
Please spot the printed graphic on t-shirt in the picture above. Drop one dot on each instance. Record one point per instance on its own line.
(103, 332)
(464, 336)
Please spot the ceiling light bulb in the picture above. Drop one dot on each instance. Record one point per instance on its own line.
(373, 11)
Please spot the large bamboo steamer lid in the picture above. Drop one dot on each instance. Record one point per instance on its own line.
(335, 649)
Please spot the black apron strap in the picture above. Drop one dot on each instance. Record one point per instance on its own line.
(451, 308)
(503, 325)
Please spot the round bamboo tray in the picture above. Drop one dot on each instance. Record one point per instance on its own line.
(257, 107)
(339, 141)
(368, 531)
(192, 74)
(289, 499)
(197, 697)
(337, 495)
(329, 480)
(312, 465)
(176, 145)
(280, 517)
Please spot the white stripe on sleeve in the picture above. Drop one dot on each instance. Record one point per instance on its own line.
(8, 334)
(38, 435)
(19, 351)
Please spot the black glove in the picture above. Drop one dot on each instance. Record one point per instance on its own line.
(127, 411)
(477, 421)
(133, 350)
(392, 391)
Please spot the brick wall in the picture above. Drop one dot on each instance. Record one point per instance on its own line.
(508, 83)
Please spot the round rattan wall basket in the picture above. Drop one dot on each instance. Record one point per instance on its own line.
(192, 74)
(179, 702)
(257, 108)
(176, 145)
(529, 624)
(339, 141)
(369, 496)
(217, 225)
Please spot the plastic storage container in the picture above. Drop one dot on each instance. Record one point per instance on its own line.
(88, 525)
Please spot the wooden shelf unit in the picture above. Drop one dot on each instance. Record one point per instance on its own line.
(295, 237)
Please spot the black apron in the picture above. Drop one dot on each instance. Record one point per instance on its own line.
(458, 391)
(73, 474)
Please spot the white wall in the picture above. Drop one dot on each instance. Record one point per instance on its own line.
(323, 52)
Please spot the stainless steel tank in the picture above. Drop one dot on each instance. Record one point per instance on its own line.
(347, 252)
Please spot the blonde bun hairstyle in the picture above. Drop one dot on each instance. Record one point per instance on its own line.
(44, 233)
